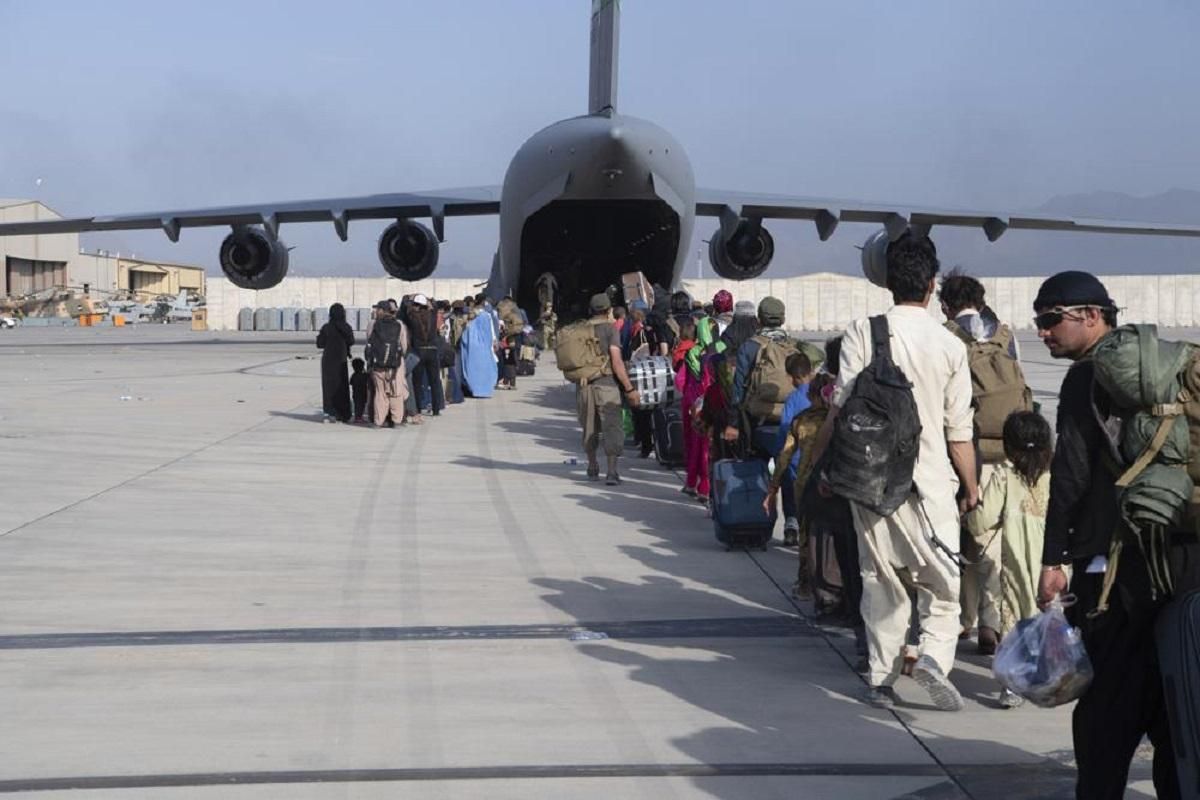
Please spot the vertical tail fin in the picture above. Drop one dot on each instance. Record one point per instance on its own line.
(602, 77)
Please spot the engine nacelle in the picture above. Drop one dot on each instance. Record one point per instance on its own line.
(874, 257)
(252, 260)
(408, 250)
(744, 255)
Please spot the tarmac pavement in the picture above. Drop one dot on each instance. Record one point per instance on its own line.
(207, 593)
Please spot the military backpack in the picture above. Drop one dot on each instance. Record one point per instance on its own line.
(998, 388)
(769, 383)
(579, 353)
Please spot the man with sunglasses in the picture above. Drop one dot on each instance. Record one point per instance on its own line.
(1125, 699)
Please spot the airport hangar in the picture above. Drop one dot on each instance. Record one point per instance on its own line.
(34, 263)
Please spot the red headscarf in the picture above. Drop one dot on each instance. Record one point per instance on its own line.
(722, 302)
(681, 350)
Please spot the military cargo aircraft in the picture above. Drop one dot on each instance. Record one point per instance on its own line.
(587, 199)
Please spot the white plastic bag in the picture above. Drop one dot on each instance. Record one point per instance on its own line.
(1043, 658)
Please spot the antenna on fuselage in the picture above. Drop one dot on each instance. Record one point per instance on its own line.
(602, 76)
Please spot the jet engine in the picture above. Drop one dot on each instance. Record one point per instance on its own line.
(744, 255)
(408, 250)
(252, 260)
(874, 257)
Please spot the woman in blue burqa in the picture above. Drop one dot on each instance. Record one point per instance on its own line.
(477, 352)
(335, 340)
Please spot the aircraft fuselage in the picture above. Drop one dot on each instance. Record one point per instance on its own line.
(589, 198)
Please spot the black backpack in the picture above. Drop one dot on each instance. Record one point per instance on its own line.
(383, 346)
(877, 433)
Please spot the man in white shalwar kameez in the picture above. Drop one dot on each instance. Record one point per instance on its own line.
(915, 548)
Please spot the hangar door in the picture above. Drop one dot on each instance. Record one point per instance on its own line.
(148, 279)
(23, 276)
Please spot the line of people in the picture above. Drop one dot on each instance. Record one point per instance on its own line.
(420, 355)
(924, 490)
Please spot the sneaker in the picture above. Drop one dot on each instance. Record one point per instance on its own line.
(593, 472)
(880, 697)
(930, 677)
(689, 491)
(612, 479)
(645, 452)
(987, 641)
(791, 524)
(1010, 699)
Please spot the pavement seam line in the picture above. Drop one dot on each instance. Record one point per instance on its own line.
(443, 774)
(510, 524)
(829, 642)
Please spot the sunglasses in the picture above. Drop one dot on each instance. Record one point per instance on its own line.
(1048, 319)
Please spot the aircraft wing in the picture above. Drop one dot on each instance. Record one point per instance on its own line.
(826, 213)
(339, 211)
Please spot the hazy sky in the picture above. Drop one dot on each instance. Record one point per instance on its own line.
(129, 106)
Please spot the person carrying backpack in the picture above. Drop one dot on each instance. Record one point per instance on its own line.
(900, 432)
(998, 389)
(386, 344)
(1117, 609)
(589, 354)
(761, 383)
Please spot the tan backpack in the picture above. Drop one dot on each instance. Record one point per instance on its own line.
(998, 388)
(769, 384)
(579, 353)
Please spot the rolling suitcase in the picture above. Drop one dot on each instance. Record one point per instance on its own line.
(738, 490)
(1178, 635)
(668, 435)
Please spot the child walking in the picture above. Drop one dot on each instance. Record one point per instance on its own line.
(1014, 504)
(360, 387)
(800, 438)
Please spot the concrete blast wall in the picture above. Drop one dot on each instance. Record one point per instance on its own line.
(823, 301)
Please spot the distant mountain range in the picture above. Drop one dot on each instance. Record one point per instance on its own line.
(1180, 206)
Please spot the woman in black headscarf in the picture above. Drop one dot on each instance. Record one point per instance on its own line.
(742, 328)
(335, 340)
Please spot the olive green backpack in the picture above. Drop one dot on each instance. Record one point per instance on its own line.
(1154, 387)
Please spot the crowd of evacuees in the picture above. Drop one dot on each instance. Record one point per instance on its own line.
(977, 516)
(420, 355)
(994, 516)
